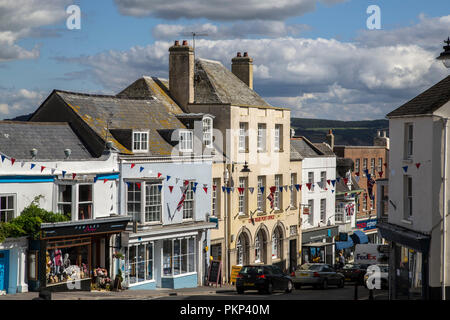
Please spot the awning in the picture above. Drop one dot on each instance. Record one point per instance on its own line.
(405, 237)
(359, 237)
(340, 245)
(317, 244)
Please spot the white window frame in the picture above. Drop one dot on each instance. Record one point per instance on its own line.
(242, 202)
(357, 165)
(278, 201)
(140, 141)
(409, 140)
(261, 196)
(323, 179)
(207, 124)
(262, 136)
(293, 199)
(215, 198)
(243, 134)
(408, 197)
(189, 213)
(278, 137)
(186, 141)
(372, 166)
(323, 210)
(191, 269)
(311, 180)
(365, 163)
(142, 200)
(14, 203)
(258, 248)
(380, 164)
(146, 260)
(157, 216)
(91, 202)
(72, 197)
(311, 211)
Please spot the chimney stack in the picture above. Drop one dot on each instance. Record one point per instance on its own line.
(330, 139)
(181, 73)
(381, 139)
(242, 67)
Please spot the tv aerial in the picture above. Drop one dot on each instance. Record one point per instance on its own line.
(194, 34)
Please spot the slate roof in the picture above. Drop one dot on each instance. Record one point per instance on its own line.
(128, 113)
(306, 149)
(427, 102)
(215, 84)
(324, 148)
(50, 139)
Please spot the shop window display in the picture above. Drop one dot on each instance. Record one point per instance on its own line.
(67, 264)
(178, 256)
(140, 263)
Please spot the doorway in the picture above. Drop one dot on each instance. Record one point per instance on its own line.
(4, 273)
(292, 255)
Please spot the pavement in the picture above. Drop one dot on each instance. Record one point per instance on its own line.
(126, 294)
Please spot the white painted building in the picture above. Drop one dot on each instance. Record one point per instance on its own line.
(318, 200)
(419, 162)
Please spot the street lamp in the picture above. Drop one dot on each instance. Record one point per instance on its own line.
(445, 55)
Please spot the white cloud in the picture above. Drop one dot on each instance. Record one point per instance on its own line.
(251, 28)
(219, 9)
(15, 102)
(315, 77)
(23, 18)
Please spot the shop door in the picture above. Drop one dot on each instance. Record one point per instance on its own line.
(292, 255)
(4, 274)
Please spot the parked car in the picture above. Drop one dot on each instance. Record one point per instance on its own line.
(264, 278)
(384, 275)
(354, 272)
(317, 274)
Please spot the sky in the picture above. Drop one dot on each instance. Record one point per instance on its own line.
(316, 57)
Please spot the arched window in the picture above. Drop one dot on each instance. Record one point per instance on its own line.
(260, 247)
(277, 242)
(242, 249)
(207, 132)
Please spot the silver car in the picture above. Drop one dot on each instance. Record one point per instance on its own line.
(317, 275)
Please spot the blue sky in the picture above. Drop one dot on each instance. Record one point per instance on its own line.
(314, 56)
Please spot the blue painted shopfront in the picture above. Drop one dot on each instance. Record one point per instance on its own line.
(4, 270)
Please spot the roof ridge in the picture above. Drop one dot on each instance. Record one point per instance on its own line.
(100, 95)
(32, 122)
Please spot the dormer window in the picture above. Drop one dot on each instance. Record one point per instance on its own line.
(140, 141)
(207, 132)
(186, 141)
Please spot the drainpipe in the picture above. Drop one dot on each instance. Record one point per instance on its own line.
(444, 220)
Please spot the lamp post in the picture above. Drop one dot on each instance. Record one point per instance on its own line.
(226, 179)
(445, 58)
(445, 55)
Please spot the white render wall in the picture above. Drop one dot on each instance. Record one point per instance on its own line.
(427, 183)
(317, 165)
(104, 197)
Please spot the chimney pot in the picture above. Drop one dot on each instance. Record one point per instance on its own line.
(185, 43)
(245, 54)
(238, 54)
(177, 43)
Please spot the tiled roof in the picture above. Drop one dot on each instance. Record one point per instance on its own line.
(214, 83)
(306, 149)
(324, 148)
(50, 139)
(127, 113)
(427, 102)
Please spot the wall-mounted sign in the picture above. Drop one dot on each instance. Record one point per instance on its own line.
(367, 225)
(263, 218)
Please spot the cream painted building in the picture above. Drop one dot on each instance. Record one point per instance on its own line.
(252, 143)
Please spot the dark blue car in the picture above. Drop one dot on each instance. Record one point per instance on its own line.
(263, 278)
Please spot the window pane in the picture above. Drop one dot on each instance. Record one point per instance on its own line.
(176, 257)
(167, 257)
(184, 255)
(191, 248)
(141, 263)
(132, 265)
(149, 261)
(85, 193)
(65, 193)
(84, 211)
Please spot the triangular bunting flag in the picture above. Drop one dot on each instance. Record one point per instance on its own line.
(195, 184)
(160, 188)
(357, 179)
(194, 188)
(214, 187)
(261, 189)
(128, 184)
(333, 182)
(298, 187)
(138, 184)
(228, 189)
(418, 165)
(328, 181)
(380, 173)
(332, 190)
(345, 180)
(176, 180)
(170, 189)
(366, 172)
(206, 189)
(385, 164)
(369, 176)
(186, 182)
(159, 174)
(74, 175)
(105, 180)
(251, 189)
(12, 161)
(3, 158)
(53, 171)
(280, 188)
(22, 164)
(63, 172)
(357, 174)
(241, 190)
(96, 178)
(291, 188)
(338, 179)
(405, 168)
(132, 165)
(42, 168)
(223, 188)
(141, 169)
(33, 165)
(309, 186)
(285, 188)
(168, 177)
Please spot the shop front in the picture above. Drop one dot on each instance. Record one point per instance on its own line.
(369, 227)
(318, 244)
(12, 266)
(171, 257)
(74, 255)
(408, 263)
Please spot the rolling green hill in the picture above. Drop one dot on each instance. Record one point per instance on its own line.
(355, 133)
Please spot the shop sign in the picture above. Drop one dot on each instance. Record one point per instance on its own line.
(234, 272)
(318, 235)
(263, 218)
(214, 220)
(84, 229)
(371, 253)
(367, 225)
